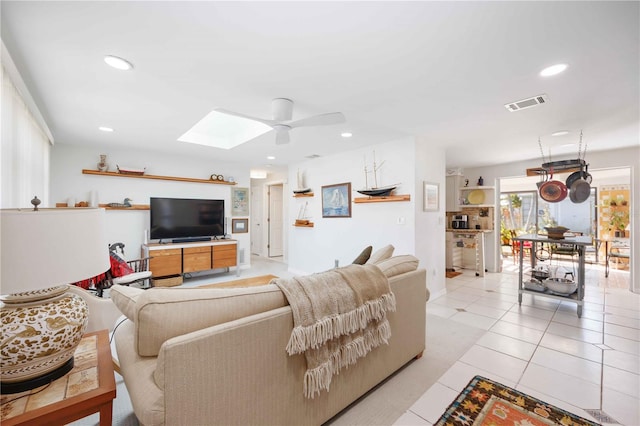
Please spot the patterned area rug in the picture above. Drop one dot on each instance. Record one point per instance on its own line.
(485, 402)
(246, 282)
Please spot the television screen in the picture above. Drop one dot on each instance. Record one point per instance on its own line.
(182, 218)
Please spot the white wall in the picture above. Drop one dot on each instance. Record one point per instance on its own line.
(315, 249)
(67, 181)
(430, 226)
(627, 157)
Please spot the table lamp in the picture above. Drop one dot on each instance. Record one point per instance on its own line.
(42, 251)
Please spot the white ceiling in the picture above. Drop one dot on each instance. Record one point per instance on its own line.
(440, 71)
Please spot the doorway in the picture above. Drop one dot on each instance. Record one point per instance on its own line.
(257, 207)
(605, 216)
(275, 221)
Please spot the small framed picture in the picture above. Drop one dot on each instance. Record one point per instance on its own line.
(336, 200)
(240, 202)
(431, 196)
(239, 226)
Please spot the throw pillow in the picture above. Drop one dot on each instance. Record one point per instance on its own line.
(381, 254)
(363, 256)
(125, 299)
(163, 313)
(398, 265)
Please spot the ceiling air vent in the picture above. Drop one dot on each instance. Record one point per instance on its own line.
(313, 156)
(526, 103)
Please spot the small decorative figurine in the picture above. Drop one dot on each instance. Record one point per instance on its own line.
(36, 202)
(125, 204)
(480, 181)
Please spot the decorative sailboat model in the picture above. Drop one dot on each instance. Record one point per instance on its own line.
(303, 219)
(301, 188)
(375, 191)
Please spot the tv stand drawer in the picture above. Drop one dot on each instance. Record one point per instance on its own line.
(196, 259)
(224, 256)
(166, 262)
(179, 258)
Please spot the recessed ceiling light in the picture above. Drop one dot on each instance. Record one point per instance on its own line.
(105, 129)
(346, 134)
(118, 63)
(553, 70)
(271, 157)
(560, 133)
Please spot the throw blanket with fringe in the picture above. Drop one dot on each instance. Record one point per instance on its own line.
(339, 316)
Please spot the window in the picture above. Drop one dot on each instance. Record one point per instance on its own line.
(24, 151)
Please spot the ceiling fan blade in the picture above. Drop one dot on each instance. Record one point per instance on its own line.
(237, 114)
(282, 137)
(319, 120)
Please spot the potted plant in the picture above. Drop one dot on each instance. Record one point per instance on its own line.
(505, 235)
(618, 223)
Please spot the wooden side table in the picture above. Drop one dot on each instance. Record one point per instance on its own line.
(90, 387)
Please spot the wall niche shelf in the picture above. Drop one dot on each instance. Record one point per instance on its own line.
(106, 206)
(306, 194)
(489, 196)
(385, 199)
(172, 178)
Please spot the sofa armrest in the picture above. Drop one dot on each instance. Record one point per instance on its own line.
(103, 313)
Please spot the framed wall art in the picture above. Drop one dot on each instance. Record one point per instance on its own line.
(336, 200)
(239, 201)
(431, 195)
(239, 226)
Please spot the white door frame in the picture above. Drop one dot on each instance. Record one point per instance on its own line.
(265, 209)
(275, 220)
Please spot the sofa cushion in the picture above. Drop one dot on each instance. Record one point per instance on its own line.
(363, 256)
(397, 265)
(381, 254)
(125, 299)
(163, 313)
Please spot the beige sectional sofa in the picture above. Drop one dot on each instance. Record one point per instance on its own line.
(217, 356)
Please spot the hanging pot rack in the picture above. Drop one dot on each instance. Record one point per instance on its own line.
(562, 166)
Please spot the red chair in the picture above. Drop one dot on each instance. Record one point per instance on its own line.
(515, 246)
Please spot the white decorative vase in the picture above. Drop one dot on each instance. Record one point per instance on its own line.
(103, 166)
(40, 332)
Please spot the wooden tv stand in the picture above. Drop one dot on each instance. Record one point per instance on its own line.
(176, 259)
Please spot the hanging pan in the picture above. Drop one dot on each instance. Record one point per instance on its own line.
(553, 191)
(579, 191)
(575, 176)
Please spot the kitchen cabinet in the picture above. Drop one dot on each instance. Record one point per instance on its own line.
(453, 183)
(465, 249)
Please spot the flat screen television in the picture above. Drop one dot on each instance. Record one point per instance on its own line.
(185, 219)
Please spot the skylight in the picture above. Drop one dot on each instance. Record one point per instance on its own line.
(221, 130)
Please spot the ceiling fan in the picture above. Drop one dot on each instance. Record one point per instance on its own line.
(282, 111)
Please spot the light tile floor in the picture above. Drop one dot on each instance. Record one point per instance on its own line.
(542, 348)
